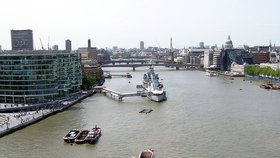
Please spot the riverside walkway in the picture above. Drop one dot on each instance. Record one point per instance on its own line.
(11, 122)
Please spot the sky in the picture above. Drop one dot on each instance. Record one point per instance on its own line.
(124, 23)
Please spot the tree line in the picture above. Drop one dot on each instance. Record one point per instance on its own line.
(257, 70)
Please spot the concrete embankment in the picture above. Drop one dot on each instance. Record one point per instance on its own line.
(17, 121)
(17, 125)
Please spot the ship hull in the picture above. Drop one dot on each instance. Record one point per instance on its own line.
(157, 98)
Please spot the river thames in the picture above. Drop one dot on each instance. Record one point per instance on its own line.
(202, 117)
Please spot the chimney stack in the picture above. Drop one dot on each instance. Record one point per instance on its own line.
(89, 43)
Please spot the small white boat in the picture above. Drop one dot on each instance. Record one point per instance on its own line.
(149, 153)
(211, 73)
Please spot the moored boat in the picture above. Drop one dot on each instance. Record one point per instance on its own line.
(71, 135)
(153, 87)
(270, 86)
(149, 153)
(211, 73)
(93, 135)
(81, 138)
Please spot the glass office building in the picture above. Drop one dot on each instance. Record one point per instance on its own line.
(238, 56)
(41, 76)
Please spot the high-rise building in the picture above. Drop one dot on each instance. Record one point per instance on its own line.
(217, 59)
(201, 45)
(56, 74)
(171, 47)
(142, 47)
(22, 39)
(208, 59)
(0, 48)
(68, 45)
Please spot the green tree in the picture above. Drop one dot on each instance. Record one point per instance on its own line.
(258, 71)
(88, 82)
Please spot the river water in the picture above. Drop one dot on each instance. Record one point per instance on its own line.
(202, 117)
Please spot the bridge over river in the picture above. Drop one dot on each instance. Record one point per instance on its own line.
(174, 65)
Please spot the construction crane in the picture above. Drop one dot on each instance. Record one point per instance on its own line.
(42, 44)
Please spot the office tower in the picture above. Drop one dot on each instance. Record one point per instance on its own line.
(142, 47)
(55, 47)
(44, 71)
(68, 45)
(0, 48)
(201, 45)
(171, 47)
(22, 39)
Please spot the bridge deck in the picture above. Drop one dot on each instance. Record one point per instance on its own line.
(159, 64)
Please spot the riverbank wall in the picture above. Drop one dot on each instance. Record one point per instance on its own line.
(264, 79)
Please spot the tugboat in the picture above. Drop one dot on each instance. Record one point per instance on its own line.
(93, 135)
(149, 153)
(81, 138)
(71, 135)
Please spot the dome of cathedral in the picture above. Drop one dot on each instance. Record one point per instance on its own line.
(228, 44)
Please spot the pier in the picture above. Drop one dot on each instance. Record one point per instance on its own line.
(108, 75)
(119, 95)
(127, 75)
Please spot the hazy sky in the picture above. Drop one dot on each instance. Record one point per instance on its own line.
(124, 23)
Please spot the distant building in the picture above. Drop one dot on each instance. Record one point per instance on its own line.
(260, 48)
(208, 59)
(195, 56)
(171, 44)
(228, 44)
(201, 45)
(236, 56)
(68, 45)
(55, 77)
(115, 48)
(22, 39)
(142, 47)
(88, 54)
(92, 70)
(217, 59)
(237, 70)
(195, 59)
(261, 57)
(0, 48)
(273, 57)
(55, 47)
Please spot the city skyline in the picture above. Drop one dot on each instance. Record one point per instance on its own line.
(125, 23)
